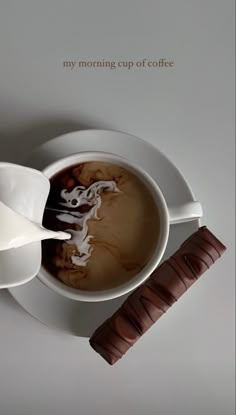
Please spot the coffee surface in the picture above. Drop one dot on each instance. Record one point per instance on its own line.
(114, 224)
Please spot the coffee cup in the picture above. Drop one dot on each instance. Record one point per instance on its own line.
(167, 215)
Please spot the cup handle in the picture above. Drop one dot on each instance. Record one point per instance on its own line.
(185, 213)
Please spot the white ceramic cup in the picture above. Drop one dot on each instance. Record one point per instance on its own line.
(168, 215)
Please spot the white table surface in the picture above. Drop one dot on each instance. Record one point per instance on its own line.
(185, 365)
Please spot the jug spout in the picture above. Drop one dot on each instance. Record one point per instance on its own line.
(17, 230)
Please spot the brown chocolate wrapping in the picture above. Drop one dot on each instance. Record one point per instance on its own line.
(152, 299)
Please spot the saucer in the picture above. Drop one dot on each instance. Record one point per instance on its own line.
(79, 318)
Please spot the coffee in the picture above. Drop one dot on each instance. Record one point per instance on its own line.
(113, 221)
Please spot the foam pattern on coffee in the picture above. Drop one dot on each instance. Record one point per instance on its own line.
(91, 199)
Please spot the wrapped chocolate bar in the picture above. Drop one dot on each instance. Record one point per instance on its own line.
(152, 299)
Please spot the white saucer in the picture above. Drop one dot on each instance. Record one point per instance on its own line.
(74, 317)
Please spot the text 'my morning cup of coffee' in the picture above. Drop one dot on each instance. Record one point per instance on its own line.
(119, 224)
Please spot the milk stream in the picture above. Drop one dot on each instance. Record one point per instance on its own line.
(90, 199)
(16, 230)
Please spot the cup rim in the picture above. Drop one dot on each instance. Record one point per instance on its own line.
(103, 295)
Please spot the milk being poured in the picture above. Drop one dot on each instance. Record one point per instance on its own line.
(16, 230)
(89, 199)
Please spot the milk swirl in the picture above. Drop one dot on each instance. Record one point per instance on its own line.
(88, 201)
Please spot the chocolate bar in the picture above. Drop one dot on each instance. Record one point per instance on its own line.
(152, 299)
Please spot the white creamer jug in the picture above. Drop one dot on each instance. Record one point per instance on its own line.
(23, 196)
